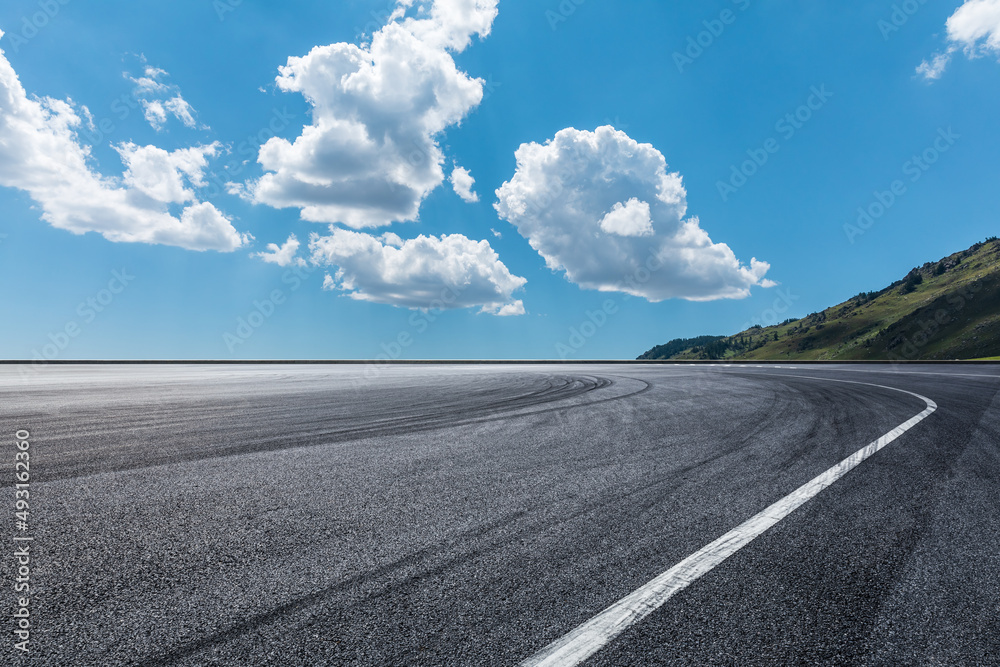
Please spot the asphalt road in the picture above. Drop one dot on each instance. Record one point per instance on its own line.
(472, 515)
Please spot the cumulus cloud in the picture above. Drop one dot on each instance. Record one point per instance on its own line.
(40, 154)
(974, 28)
(160, 100)
(162, 175)
(446, 272)
(603, 208)
(632, 218)
(462, 182)
(371, 154)
(284, 255)
(976, 24)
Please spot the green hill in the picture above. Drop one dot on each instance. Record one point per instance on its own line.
(948, 309)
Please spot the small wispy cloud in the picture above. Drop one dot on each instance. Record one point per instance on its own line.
(933, 69)
(160, 101)
(284, 255)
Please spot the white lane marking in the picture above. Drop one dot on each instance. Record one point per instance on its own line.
(588, 638)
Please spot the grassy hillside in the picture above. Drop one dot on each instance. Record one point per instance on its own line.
(678, 346)
(942, 310)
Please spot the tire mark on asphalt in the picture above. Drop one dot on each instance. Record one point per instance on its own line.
(556, 388)
(423, 556)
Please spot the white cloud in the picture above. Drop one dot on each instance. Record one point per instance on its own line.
(935, 67)
(444, 272)
(512, 309)
(202, 227)
(40, 154)
(391, 239)
(462, 182)
(973, 28)
(632, 218)
(974, 21)
(161, 175)
(603, 208)
(371, 154)
(159, 100)
(283, 255)
(149, 83)
(155, 113)
(181, 110)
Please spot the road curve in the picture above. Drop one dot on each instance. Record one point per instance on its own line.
(475, 515)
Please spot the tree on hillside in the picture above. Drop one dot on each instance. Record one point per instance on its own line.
(913, 278)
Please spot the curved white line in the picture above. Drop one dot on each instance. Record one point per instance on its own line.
(590, 637)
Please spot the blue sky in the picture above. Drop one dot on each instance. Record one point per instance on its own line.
(135, 146)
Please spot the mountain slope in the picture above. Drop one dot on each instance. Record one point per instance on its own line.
(942, 310)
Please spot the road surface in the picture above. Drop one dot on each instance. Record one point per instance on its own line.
(480, 515)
